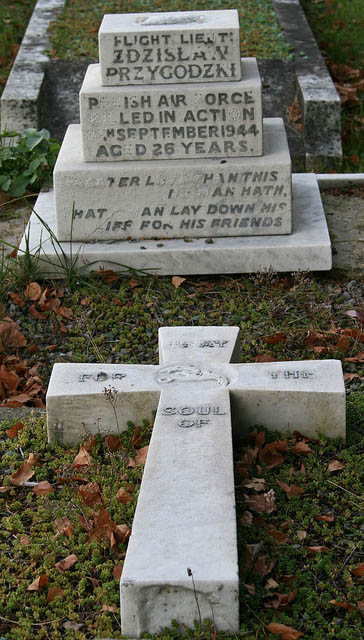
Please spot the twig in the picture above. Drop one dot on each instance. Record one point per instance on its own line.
(343, 489)
(189, 573)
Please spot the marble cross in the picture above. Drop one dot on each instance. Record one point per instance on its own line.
(181, 562)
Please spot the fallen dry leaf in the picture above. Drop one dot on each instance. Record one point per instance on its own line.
(250, 588)
(82, 459)
(359, 570)
(33, 291)
(326, 518)
(66, 563)
(38, 583)
(286, 633)
(336, 465)
(269, 454)
(275, 338)
(177, 281)
(43, 488)
(301, 535)
(63, 527)
(90, 493)
(258, 484)
(23, 474)
(14, 430)
(113, 442)
(123, 496)
(25, 540)
(141, 455)
(260, 566)
(302, 449)
(117, 571)
(10, 334)
(292, 491)
(318, 549)
(53, 592)
(281, 600)
(246, 519)
(263, 503)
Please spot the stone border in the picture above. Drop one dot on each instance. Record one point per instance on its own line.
(329, 180)
(320, 102)
(20, 98)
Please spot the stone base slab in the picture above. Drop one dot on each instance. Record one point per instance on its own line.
(176, 198)
(308, 248)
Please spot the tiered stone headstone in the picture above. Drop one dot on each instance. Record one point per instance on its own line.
(172, 137)
(172, 146)
(181, 561)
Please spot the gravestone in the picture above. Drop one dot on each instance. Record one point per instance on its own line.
(172, 147)
(181, 561)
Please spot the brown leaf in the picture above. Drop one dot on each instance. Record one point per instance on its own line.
(318, 549)
(90, 493)
(64, 312)
(63, 526)
(10, 333)
(292, 491)
(17, 299)
(82, 459)
(261, 567)
(141, 455)
(38, 315)
(53, 592)
(326, 518)
(269, 454)
(113, 442)
(280, 536)
(336, 465)
(43, 488)
(286, 633)
(112, 608)
(275, 338)
(85, 302)
(258, 484)
(246, 519)
(301, 535)
(66, 563)
(137, 438)
(262, 504)
(38, 583)
(108, 275)
(25, 540)
(359, 570)
(133, 282)
(281, 600)
(14, 430)
(250, 588)
(33, 291)
(344, 605)
(177, 281)
(23, 474)
(343, 343)
(122, 532)
(264, 358)
(302, 449)
(117, 571)
(123, 496)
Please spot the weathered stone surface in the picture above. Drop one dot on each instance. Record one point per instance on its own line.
(308, 247)
(320, 102)
(19, 100)
(185, 517)
(308, 395)
(208, 120)
(169, 199)
(189, 46)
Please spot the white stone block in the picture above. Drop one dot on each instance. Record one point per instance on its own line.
(189, 46)
(145, 122)
(171, 199)
(308, 248)
(185, 519)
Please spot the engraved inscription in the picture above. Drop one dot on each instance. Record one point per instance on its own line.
(187, 373)
(100, 376)
(184, 344)
(176, 19)
(295, 374)
(195, 412)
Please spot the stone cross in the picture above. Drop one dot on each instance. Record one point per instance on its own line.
(181, 561)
